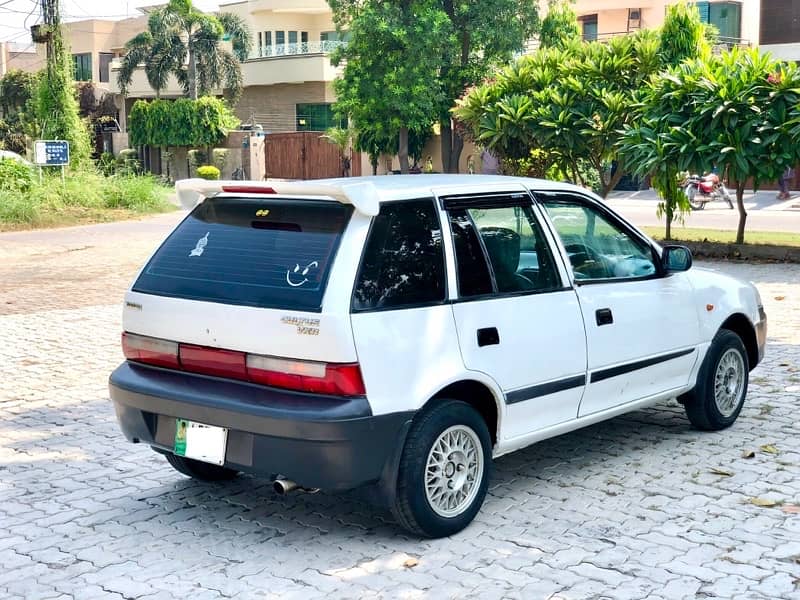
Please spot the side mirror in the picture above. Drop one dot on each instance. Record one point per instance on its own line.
(676, 259)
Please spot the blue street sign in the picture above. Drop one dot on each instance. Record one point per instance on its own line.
(51, 153)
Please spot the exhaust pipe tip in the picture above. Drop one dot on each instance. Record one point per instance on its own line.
(284, 486)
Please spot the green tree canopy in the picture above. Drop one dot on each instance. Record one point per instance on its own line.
(390, 83)
(185, 42)
(17, 88)
(475, 37)
(572, 102)
(647, 147)
(560, 25)
(182, 122)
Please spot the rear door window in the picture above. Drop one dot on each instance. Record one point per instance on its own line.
(272, 253)
(403, 263)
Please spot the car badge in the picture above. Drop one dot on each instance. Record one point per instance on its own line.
(200, 247)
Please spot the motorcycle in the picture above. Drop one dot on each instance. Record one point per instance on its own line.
(702, 190)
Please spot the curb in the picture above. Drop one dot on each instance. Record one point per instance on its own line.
(741, 252)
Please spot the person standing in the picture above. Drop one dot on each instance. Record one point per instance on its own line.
(783, 184)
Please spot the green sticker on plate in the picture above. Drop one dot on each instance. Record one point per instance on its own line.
(180, 436)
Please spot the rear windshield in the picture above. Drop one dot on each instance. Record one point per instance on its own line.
(268, 253)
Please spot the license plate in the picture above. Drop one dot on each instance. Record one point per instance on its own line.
(200, 442)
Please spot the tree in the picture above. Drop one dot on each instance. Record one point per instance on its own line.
(182, 122)
(655, 144)
(55, 104)
(560, 25)
(17, 90)
(342, 138)
(390, 83)
(572, 102)
(742, 105)
(185, 42)
(476, 37)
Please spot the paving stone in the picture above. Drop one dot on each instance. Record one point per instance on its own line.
(622, 509)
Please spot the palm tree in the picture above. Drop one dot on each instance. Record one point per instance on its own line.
(186, 42)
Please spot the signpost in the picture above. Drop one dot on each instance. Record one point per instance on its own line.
(51, 153)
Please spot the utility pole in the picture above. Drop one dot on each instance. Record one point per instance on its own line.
(52, 20)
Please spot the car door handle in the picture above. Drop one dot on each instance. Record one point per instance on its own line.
(604, 316)
(488, 337)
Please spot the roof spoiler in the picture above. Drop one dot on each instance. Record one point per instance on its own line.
(362, 194)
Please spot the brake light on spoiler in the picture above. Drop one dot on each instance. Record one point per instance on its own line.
(334, 379)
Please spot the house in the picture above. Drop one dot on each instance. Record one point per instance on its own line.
(15, 56)
(780, 28)
(737, 22)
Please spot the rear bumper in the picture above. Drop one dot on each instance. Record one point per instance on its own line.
(318, 441)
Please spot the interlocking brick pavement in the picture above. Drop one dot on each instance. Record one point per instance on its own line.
(630, 508)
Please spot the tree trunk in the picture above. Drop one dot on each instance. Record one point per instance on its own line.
(607, 188)
(192, 74)
(742, 212)
(669, 214)
(402, 152)
(447, 143)
(452, 146)
(374, 164)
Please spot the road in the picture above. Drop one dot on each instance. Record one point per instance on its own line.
(642, 506)
(765, 212)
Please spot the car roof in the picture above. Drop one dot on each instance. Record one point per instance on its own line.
(403, 187)
(366, 193)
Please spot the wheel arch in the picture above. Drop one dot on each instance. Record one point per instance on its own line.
(741, 326)
(478, 395)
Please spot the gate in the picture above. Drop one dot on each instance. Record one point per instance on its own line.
(304, 155)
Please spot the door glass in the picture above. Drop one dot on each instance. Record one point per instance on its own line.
(512, 241)
(403, 262)
(473, 272)
(597, 247)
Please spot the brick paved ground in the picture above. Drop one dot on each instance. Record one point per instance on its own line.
(630, 508)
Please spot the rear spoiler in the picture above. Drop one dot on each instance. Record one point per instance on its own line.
(361, 194)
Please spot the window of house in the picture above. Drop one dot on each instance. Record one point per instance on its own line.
(317, 117)
(82, 64)
(589, 27)
(725, 16)
(280, 42)
(260, 44)
(403, 263)
(105, 66)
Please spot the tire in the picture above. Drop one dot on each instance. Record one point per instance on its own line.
(711, 407)
(727, 196)
(424, 512)
(691, 194)
(199, 470)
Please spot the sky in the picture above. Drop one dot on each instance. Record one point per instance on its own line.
(17, 16)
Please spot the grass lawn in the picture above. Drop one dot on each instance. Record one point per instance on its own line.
(691, 234)
(84, 197)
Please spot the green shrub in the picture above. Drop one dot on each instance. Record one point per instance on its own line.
(127, 162)
(106, 163)
(15, 176)
(208, 172)
(85, 195)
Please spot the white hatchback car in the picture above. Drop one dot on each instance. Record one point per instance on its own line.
(403, 331)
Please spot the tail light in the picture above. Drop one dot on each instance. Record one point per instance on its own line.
(306, 376)
(333, 379)
(152, 351)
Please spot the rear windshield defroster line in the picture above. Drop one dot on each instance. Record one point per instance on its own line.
(270, 253)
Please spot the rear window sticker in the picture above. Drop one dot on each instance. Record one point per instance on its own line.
(201, 244)
(297, 277)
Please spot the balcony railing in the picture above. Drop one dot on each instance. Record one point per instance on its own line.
(719, 41)
(298, 49)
